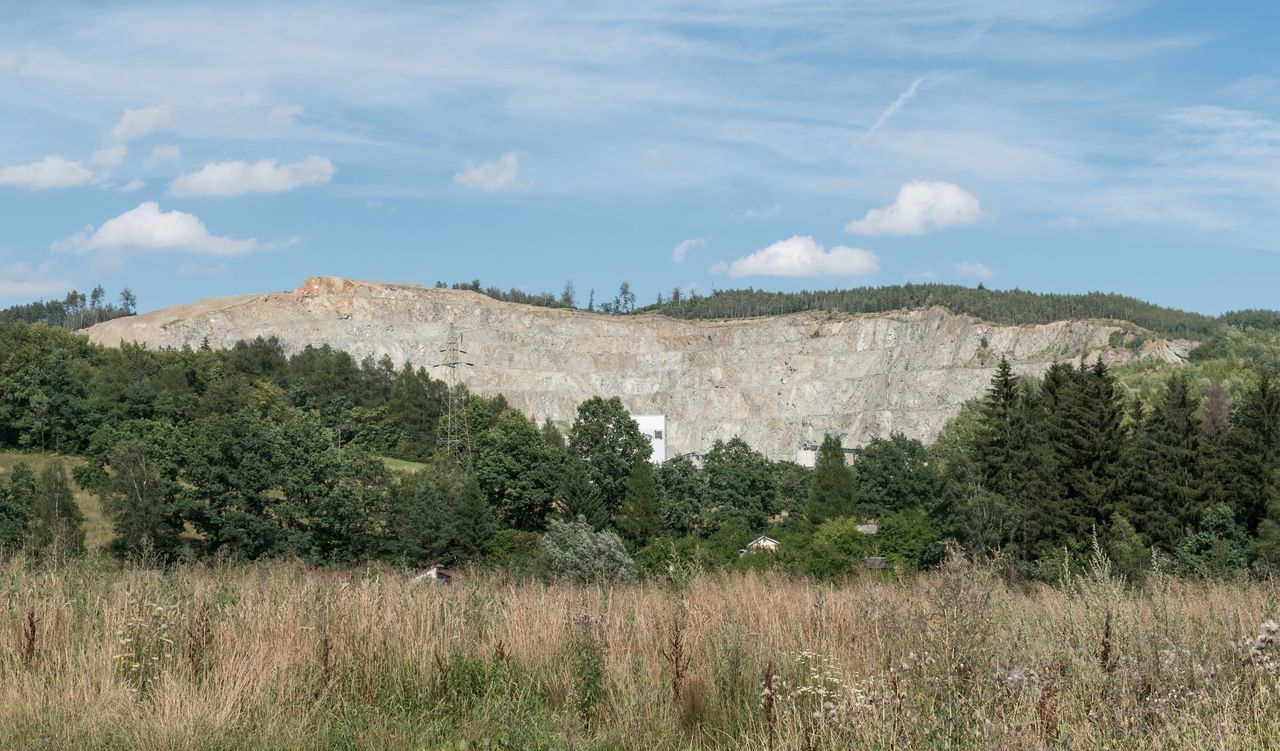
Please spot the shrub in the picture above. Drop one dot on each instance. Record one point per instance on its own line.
(575, 551)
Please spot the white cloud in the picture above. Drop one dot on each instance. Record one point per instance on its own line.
(978, 271)
(284, 115)
(9, 63)
(149, 228)
(22, 283)
(164, 154)
(681, 250)
(768, 212)
(109, 156)
(802, 256)
(491, 176)
(265, 176)
(133, 185)
(135, 124)
(922, 206)
(51, 172)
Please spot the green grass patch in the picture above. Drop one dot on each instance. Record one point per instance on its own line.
(401, 465)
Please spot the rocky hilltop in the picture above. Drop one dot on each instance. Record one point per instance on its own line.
(779, 382)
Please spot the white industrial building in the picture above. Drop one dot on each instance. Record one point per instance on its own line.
(654, 428)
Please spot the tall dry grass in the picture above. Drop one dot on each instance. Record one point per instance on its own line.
(274, 656)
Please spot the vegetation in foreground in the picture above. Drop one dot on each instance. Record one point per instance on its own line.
(279, 656)
(248, 454)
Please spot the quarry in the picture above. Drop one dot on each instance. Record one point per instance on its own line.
(779, 382)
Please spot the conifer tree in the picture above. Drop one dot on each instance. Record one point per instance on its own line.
(1167, 492)
(467, 524)
(1267, 548)
(639, 519)
(1013, 458)
(1244, 469)
(831, 486)
(577, 497)
(1084, 430)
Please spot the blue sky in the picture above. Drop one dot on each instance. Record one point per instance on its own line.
(1058, 145)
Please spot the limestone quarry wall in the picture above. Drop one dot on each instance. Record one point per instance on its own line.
(778, 382)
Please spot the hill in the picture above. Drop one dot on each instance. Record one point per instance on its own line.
(780, 382)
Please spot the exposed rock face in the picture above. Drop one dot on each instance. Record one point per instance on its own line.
(778, 382)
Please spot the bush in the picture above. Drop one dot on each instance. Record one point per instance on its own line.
(577, 552)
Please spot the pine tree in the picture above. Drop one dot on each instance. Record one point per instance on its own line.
(1250, 451)
(1267, 548)
(467, 524)
(639, 518)
(1086, 438)
(831, 487)
(1013, 460)
(1167, 490)
(577, 497)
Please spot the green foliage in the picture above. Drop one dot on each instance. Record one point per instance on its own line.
(586, 656)
(908, 539)
(75, 311)
(792, 481)
(577, 497)
(141, 497)
(517, 470)
(467, 524)
(740, 484)
(998, 306)
(894, 474)
(1220, 548)
(639, 520)
(1126, 551)
(682, 493)
(57, 525)
(608, 442)
(513, 550)
(346, 517)
(1166, 488)
(17, 502)
(575, 551)
(831, 488)
(833, 549)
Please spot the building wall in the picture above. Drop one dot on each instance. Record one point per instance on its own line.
(655, 428)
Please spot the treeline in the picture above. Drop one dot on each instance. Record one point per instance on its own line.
(1015, 307)
(566, 298)
(1042, 468)
(998, 306)
(75, 311)
(249, 454)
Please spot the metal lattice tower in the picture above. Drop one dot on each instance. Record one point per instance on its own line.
(457, 436)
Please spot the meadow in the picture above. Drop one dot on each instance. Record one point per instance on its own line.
(281, 656)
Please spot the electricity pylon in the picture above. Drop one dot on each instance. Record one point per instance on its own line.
(457, 427)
